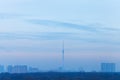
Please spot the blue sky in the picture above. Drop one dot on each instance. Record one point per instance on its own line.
(32, 31)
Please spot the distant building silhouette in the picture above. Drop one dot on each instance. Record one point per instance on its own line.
(9, 68)
(32, 70)
(17, 69)
(107, 67)
(2, 69)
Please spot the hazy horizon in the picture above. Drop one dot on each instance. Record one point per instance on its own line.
(32, 32)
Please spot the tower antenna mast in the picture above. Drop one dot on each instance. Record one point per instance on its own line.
(63, 55)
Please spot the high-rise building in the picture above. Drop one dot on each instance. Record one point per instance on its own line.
(20, 69)
(107, 67)
(17, 69)
(9, 68)
(2, 69)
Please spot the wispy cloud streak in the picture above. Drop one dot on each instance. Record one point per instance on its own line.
(56, 36)
(70, 25)
(61, 24)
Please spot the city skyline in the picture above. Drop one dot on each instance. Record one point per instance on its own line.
(32, 32)
(18, 69)
(103, 67)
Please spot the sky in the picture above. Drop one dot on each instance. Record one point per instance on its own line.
(32, 32)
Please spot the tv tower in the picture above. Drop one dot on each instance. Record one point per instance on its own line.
(63, 56)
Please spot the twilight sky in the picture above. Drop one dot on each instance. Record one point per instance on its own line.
(32, 31)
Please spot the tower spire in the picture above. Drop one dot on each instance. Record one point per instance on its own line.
(63, 55)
